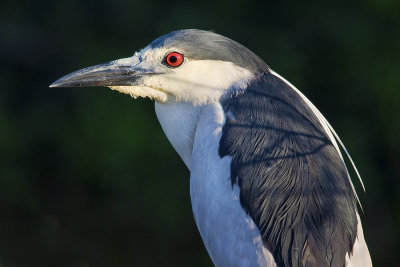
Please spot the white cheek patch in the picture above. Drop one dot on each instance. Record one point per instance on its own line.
(196, 81)
(200, 81)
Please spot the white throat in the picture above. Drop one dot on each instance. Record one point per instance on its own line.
(179, 121)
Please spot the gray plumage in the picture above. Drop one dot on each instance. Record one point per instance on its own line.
(293, 183)
(202, 45)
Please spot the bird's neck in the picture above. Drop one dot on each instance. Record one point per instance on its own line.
(179, 121)
(229, 234)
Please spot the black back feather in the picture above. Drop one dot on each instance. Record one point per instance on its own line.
(293, 182)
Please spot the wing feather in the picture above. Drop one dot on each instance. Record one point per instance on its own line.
(293, 180)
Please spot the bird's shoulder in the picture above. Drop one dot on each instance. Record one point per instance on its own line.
(293, 182)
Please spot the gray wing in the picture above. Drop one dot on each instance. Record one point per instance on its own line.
(293, 181)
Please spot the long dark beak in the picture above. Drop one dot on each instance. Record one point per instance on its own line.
(108, 74)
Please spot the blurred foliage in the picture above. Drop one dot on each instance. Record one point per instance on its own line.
(87, 178)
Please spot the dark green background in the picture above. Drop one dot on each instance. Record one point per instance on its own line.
(87, 177)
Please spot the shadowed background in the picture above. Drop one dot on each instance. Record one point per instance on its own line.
(87, 177)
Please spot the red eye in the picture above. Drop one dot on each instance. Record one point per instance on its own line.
(174, 59)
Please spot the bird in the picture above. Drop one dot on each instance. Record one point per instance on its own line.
(268, 182)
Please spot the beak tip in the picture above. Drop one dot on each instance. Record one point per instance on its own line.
(58, 83)
(64, 83)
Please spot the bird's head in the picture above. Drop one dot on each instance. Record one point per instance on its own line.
(183, 66)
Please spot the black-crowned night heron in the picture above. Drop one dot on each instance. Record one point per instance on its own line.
(268, 183)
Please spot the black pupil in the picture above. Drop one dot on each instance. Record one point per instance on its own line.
(173, 59)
